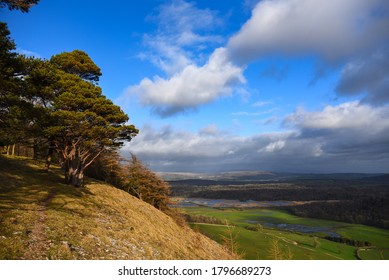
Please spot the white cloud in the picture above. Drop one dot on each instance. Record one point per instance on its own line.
(175, 146)
(337, 32)
(351, 115)
(348, 132)
(273, 147)
(333, 29)
(168, 57)
(210, 130)
(191, 87)
(350, 137)
(179, 48)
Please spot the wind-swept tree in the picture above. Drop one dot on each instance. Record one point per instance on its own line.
(141, 182)
(83, 122)
(133, 177)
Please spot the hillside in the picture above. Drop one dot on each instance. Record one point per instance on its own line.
(41, 218)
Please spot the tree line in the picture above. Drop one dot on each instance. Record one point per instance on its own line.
(372, 211)
(362, 201)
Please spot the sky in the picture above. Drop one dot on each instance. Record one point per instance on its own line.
(275, 85)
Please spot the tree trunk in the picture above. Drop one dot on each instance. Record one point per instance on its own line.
(74, 171)
(35, 151)
(50, 154)
(75, 163)
(76, 178)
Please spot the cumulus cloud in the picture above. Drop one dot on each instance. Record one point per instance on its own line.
(354, 33)
(347, 132)
(191, 87)
(350, 137)
(180, 48)
(351, 115)
(180, 148)
(333, 29)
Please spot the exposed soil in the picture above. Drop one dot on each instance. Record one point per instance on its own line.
(38, 243)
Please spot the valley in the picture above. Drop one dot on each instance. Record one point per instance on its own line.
(281, 219)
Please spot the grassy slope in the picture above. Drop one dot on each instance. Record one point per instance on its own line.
(257, 245)
(41, 218)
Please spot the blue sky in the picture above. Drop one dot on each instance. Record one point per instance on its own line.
(281, 85)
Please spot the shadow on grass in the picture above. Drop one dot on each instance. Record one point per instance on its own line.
(24, 182)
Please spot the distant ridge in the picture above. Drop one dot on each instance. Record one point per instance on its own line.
(232, 175)
(268, 176)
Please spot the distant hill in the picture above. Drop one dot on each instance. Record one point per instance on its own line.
(258, 176)
(41, 218)
(222, 176)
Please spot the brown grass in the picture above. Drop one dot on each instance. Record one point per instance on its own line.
(41, 218)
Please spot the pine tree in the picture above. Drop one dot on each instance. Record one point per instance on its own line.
(84, 123)
(79, 121)
(14, 110)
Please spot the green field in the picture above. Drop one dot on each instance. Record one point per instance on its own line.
(280, 235)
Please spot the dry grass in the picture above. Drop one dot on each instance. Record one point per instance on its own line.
(38, 213)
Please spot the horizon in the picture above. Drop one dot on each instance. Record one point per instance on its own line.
(233, 85)
(258, 173)
(266, 171)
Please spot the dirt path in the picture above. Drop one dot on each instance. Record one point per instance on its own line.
(38, 243)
